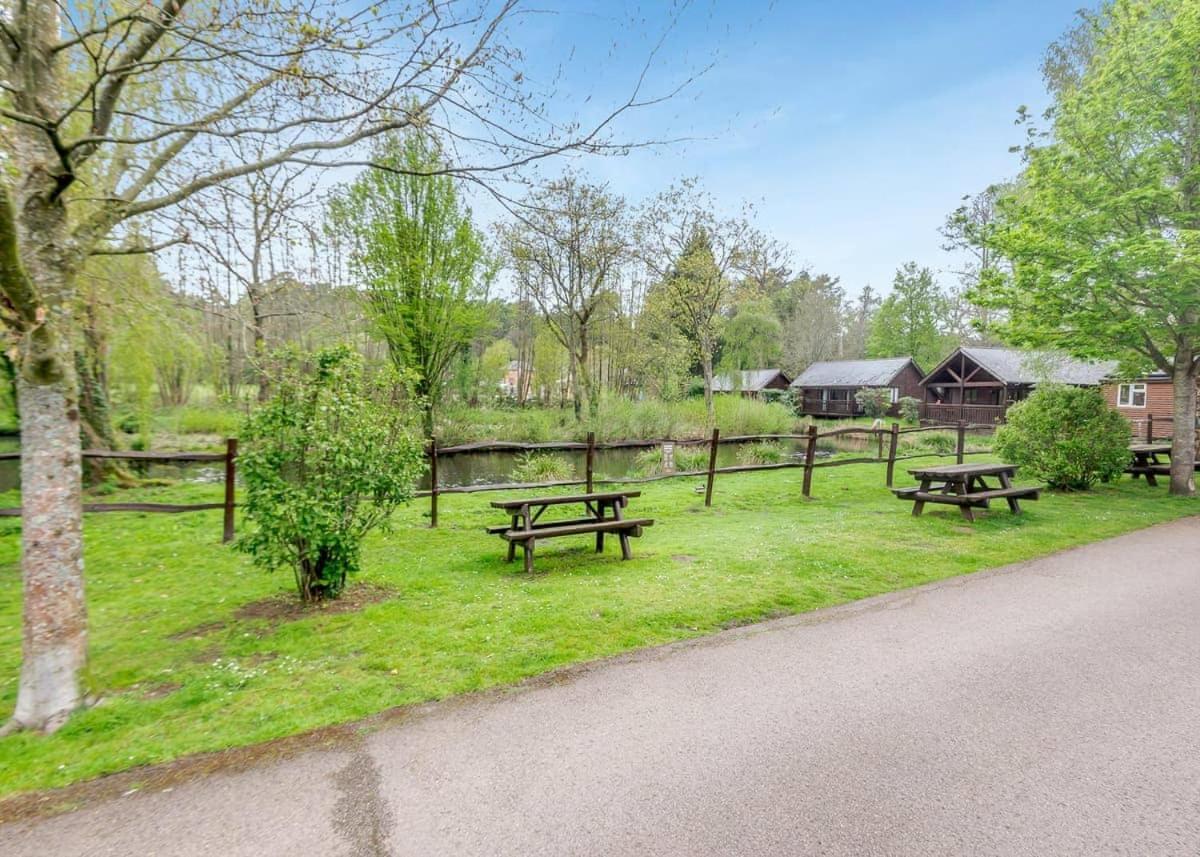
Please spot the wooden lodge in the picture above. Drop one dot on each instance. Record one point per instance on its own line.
(1148, 402)
(978, 385)
(827, 389)
(751, 383)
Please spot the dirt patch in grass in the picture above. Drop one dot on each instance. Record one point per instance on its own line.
(158, 691)
(287, 607)
(196, 631)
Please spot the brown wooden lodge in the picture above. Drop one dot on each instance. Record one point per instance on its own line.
(972, 384)
(828, 388)
(978, 385)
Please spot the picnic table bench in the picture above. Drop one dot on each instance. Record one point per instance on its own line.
(964, 486)
(603, 514)
(1145, 460)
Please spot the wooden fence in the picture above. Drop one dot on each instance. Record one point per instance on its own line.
(886, 438)
(229, 457)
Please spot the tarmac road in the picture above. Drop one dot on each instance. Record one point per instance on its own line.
(1050, 708)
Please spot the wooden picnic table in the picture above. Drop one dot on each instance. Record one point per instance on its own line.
(965, 486)
(1146, 460)
(603, 513)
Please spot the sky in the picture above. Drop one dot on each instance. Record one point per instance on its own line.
(853, 128)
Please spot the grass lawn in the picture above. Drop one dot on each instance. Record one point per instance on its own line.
(183, 666)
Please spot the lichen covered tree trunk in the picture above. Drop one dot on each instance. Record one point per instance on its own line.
(1183, 444)
(54, 642)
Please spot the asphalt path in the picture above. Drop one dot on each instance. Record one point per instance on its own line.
(1048, 708)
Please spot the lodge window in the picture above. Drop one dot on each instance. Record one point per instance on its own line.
(1131, 395)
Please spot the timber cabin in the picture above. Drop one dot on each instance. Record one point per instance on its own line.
(751, 383)
(979, 384)
(827, 389)
(1148, 402)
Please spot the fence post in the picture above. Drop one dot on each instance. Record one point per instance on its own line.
(892, 445)
(591, 459)
(712, 466)
(433, 482)
(810, 454)
(230, 477)
(961, 447)
(1149, 428)
(879, 443)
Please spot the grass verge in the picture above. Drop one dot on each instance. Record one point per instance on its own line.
(192, 649)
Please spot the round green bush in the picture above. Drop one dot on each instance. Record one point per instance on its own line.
(1067, 437)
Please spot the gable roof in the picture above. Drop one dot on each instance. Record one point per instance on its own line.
(1014, 366)
(853, 373)
(748, 380)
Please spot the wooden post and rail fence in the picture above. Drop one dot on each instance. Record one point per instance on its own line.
(809, 462)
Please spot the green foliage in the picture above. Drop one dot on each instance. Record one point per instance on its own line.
(942, 443)
(1103, 227)
(910, 409)
(323, 462)
(1067, 437)
(761, 452)
(542, 467)
(874, 401)
(618, 418)
(649, 462)
(419, 256)
(751, 340)
(911, 320)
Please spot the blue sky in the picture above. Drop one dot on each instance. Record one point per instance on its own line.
(853, 127)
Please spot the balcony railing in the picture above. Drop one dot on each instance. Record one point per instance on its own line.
(980, 414)
(835, 407)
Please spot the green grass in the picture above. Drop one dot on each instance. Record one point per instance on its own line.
(461, 619)
(618, 419)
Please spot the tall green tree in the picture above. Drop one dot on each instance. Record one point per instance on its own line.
(751, 340)
(1103, 229)
(420, 259)
(692, 294)
(911, 320)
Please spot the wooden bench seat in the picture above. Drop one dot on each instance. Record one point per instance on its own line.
(612, 525)
(906, 492)
(501, 529)
(1030, 492)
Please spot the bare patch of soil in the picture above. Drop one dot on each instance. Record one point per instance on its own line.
(158, 691)
(287, 607)
(683, 557)
(197, 631)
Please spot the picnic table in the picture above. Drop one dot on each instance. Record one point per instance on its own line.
(965, 486)
(1146, 460)
(603, 513)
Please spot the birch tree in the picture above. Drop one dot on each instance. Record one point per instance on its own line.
(566, 252)
(114, 111)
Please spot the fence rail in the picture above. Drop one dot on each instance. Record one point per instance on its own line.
(229, 456)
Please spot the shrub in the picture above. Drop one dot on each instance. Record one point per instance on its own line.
(940, 442)
(324, 461)
(763, 452)
(1067, 437)
(910, 408)
(542, 467)
(691, 458)
(874, 401)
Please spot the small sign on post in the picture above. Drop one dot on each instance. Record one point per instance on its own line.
(668, 458)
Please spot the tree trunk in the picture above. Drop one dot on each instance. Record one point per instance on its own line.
(54, 642)
(1183, 443)
(706, 368)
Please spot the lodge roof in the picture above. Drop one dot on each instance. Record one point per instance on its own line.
(852, 373)
(747, 380)
(1014, 366)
